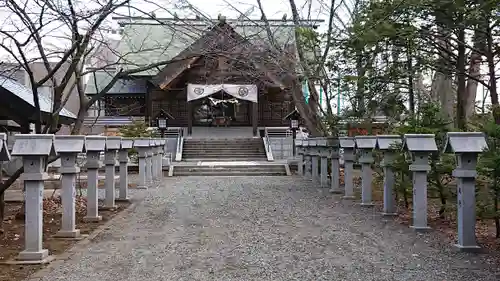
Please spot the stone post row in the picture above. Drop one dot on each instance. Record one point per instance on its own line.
(35, 150)
(466, 146)
(150, 161)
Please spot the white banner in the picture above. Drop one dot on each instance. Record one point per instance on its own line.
(242, 92)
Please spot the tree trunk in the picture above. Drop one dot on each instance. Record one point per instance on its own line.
(472, 84)
(490, 58)
(461, 87)
(360, 107)
(442, 83)
(409, 69)
(307, 112)
(304, 109)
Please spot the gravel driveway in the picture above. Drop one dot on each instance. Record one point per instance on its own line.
(262, 228)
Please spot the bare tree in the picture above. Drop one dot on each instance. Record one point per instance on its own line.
(61, 36)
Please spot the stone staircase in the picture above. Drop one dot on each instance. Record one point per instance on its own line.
(245, 149)
(226, 157)
(226, 169)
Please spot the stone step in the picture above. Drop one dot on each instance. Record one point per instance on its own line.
(230, 170)
(230, 173)
(224, 145)
(228, 144)
(201, 158)
(217, 153)
(223, 148)
(261, 167)
(225, 139)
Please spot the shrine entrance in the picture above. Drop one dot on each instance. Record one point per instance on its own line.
(223, 105)
(221, 110)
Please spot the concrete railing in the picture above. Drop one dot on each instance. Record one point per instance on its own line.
(315, 153)
(35, 149)
(280, 142)
(179, 145)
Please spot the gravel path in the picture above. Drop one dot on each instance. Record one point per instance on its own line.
(262, 228)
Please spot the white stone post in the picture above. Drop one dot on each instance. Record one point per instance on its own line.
(323, 154)
(149, 164)
(333, 155)
(142, 146)
(420, 146)
(466, 146)
(300, 154)
(387, 144)
(35, 150)
(314, 152)
(347, 144)
(127, 144)
(113, 144)
(161, 147)
(94, 145)
(366, 144)
(307, 159)
(68, 148)
(154, 160)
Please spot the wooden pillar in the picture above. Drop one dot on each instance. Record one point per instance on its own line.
(190, 118)
(149, 104)
(255, 117)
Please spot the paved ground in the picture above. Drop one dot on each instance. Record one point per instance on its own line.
(261, 228)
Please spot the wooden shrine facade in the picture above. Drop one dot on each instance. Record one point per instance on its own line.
(243, 81)
(253, 81)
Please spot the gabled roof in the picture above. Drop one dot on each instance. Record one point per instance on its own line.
(221, 39)
(147, 41)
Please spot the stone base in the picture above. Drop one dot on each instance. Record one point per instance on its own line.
(75, 234)
(368, 204)
(142, 187)
(92, 219)
(468, 249)
(25, 257)
(122, 199)
(389, 214)
(420, 229)
(107, 208)
(336, 191)
(348, 197)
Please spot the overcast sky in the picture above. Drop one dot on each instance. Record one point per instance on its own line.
(232, 9)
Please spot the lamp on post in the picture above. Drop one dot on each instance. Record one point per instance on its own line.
(162, 121)
(294, 118)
